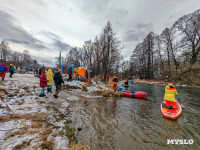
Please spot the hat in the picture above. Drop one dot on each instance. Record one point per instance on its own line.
(58, 70)
(11, 64)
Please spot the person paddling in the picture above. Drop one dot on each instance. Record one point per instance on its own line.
(169, 97)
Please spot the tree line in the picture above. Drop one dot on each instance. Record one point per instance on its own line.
(174, 55)
(23, 60)
(102, 55)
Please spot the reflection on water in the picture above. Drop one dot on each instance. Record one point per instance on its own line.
(130, 123)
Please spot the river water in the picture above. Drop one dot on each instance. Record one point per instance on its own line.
(122, 123)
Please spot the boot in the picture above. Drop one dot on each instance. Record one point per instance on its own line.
(55, 96)
(44, 94)
(50, 90)
(41, 95)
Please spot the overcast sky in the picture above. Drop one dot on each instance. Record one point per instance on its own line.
(44, 27)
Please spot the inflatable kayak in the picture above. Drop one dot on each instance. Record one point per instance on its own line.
(135, 94)
(173, 113)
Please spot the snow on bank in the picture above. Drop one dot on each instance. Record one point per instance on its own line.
(93, 87)
(32, 122)
(26, 118)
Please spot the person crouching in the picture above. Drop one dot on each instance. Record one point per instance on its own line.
(169, 97)
(43, 84)
(58, 80)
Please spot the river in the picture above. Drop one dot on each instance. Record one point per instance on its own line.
(122, 123)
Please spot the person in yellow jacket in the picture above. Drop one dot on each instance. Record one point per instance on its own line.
(115, 80)
(49, 75)
(170, 93)
(76, 72)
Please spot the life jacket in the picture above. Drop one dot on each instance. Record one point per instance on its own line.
(2, 68)
(115, 79)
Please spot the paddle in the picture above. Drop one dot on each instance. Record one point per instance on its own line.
(180, 102)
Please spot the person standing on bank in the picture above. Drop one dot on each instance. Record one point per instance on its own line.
(3, 69)
(58, 80)
(115, 80)
(49, 75)
(76, 72)
(70, 74)
(86, 76)
(11, 68)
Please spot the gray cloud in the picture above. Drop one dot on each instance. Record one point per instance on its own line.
(144, 26)
(132, 35)
(57, 41)
(62, 45)
(12, 32)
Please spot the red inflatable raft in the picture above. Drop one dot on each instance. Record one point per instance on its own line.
(173, 113)
(135, 94)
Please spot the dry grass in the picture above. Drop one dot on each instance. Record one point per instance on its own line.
(4, 90)
(37, 125)
(34, 117)
(118, 94)
(20, 133)
(12, 94)
(107, 93)
(21, 95)
(22, 145)
(109, 84)
(84, 87)
(46, 144)
(79, 147)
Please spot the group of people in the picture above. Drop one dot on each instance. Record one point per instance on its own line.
(169, 96)
(77, 74)
(46, 81)
(4, 69)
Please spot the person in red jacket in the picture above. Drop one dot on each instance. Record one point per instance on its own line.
(107, 78)
(3, 69)
(43, 84)
(70, 74)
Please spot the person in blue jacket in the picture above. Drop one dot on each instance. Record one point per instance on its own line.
(11, 68)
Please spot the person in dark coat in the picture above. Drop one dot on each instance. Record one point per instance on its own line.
(58, 80)
(86, 76)
(70, 74)
(40, 70)
(3, 69)
(11, 69)
(43, 84)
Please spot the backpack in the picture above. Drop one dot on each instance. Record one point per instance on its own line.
(2, 68)
(115, 80)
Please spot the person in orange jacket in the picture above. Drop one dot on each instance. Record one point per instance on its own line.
(169, 97)
(115, 80)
